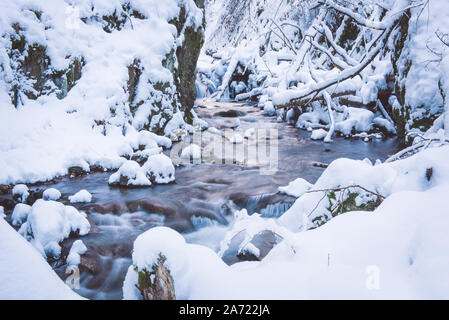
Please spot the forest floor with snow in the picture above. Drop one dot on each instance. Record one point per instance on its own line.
(313, 165)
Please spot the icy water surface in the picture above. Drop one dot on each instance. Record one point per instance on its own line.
(200, 203)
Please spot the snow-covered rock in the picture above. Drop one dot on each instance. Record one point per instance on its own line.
(318, 134)
(78, 249)
(193, 151)
(20, 192)
(151, 140)
(269, 108)
(296, 188)
(360, 120)
(51, 194)
(20, 214)
(49, 223)
(159, 169)
(384, 123)
(130, 174)
(81, 196)
(142, 155)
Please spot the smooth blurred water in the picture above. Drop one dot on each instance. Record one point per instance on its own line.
(200, 203)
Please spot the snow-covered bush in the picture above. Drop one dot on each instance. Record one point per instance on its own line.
(48, 223)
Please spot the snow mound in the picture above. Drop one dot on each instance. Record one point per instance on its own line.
(159, 169)
(192, 151)
(269, 108)
(81, 196)
(162, 240)
(24, 273)
(20, 192)
(20, 214)
(51, 194)
(296, 188)
(360, 120)
(50, 222)
(319, 134)
(129, 174)
(78, 249)
(418, 173)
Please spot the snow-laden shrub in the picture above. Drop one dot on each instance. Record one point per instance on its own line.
(49, 223)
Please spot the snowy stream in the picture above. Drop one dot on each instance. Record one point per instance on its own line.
(201, 202)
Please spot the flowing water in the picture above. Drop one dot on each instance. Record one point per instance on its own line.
(200, 203)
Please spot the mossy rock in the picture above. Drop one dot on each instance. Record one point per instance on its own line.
(156, 284)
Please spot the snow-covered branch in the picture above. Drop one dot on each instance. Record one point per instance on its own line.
(378, 25)
(292, 95)
(336, 47)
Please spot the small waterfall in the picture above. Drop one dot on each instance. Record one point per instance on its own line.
(202, 222)
(275, 210)
(268, 205)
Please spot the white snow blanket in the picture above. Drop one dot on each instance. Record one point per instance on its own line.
(24, 273)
